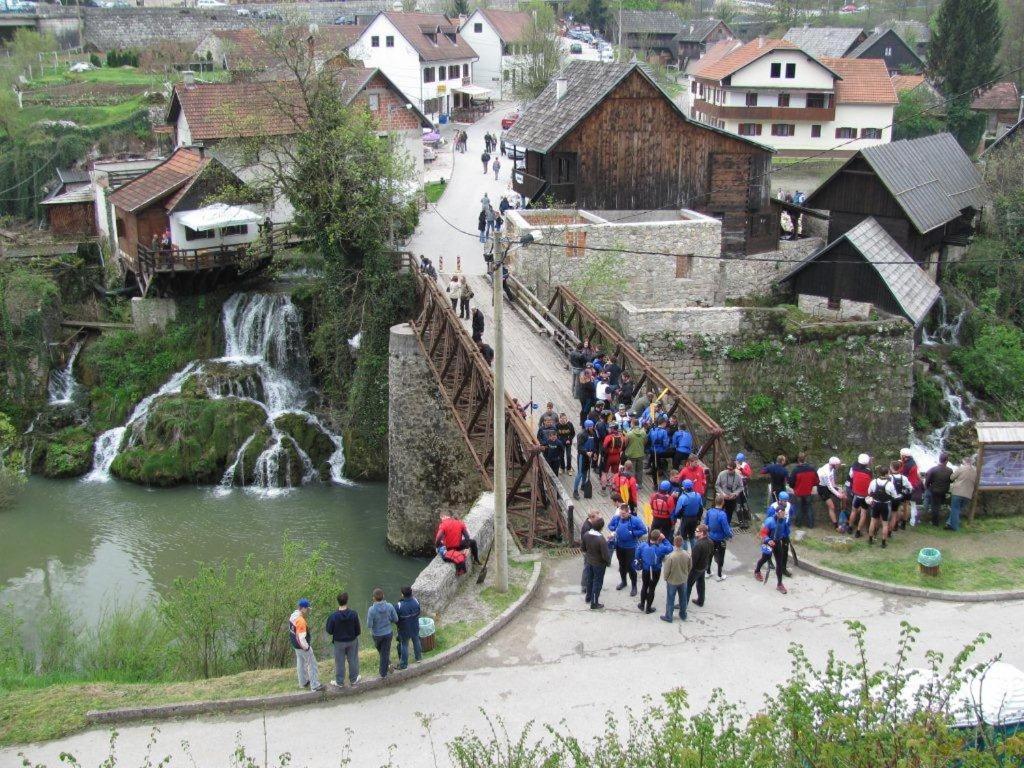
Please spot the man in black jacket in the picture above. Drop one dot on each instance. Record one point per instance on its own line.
(596, 558)
(343, 627)
(937, 482)
(478, 324)
(408, 610)
(700, 563)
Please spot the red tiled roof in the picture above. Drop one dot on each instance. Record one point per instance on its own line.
(414, 28)
(714, 53)
(237, 110)
(864, 81)
(181, 167)
(903, 83)
(1000, 97)
(747, 54)
(250, 46)
(511, 26)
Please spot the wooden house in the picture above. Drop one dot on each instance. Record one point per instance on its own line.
(862, 269)
(607, 137)
(697, 35)
(1001, 105)
(70, 208)
(924, 192)
(887, 45)
(647, 33)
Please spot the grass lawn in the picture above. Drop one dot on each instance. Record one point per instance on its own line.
(121, 76)
(434, 190)
(51, 711)
(86, 117)
(980, 557)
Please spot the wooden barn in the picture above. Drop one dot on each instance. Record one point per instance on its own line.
(924, 192)
(864, 268)
(607, 137)
(72, 213)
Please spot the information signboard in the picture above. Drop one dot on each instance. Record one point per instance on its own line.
(1002, 466)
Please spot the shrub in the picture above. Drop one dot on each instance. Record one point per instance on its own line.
(95, 60)
(993, 365)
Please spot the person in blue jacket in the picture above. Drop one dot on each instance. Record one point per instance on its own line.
(688, 509)
(649, 556)
(719, 531)
(775, 543)
(682, 444)
(628, 530)
(658, 446)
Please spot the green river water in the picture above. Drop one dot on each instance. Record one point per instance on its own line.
(99, 545)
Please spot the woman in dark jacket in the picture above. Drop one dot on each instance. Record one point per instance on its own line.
(478, 324)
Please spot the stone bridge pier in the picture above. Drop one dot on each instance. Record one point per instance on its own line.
(430, 468)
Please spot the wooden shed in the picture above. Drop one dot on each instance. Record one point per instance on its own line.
(73, 212)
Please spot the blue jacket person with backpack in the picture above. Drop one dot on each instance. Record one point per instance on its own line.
(628, 530)
(775, 541)
(649, 556)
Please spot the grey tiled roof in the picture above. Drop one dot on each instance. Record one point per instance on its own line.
(919, 31)
(833, 42)
(1007, 135)
(649, 22)
(863, 48)
(910, 285)
(695, 30)
(72, 176)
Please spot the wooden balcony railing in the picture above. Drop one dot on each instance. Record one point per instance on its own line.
(782, 114)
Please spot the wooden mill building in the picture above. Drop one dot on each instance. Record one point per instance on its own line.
(924, 192)
(607, 137)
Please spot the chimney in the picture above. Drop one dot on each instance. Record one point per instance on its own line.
(760, 41)
(311, 41)
(188, 77)
(561, 88)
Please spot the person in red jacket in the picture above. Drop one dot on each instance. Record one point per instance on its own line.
(663, 504)
(624, 486)
(694, 471)
(909, 469)
(612, 446)
(453, 535)
(860, 479)
(804, 481)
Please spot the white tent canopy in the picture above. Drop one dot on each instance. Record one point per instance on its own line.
(472, 90)
(218, 215)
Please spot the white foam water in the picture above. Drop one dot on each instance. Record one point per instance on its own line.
(62, 386)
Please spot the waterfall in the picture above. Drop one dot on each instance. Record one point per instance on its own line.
(62, 385)
(947, 331)
(262, 334)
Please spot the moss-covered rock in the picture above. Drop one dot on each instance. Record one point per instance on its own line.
(188, 440)
(64, 453)
(226, 379)
(310, 437)
(363, 459)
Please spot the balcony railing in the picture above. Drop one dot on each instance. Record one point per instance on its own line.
(808, 114)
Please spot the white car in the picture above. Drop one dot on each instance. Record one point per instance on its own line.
(210, 4)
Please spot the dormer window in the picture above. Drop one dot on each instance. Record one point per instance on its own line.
(450, 36)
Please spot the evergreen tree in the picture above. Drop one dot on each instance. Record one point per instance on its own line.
(963, 56)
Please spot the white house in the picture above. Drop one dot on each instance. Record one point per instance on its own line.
(782, 96)
(497, 37)
(424, 55)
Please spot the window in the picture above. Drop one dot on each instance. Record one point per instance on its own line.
(120, 227)
(783, 129)
(238, 229)
(871, 133)
(790, 71)
(888, 51)
(428, 75)
(565, 169)
(783, 99)
(453, 72)
(776, 69)
(465, 70)
(693, 87)
(389, 41)
(750, 129)
(375, 41)
(575, 243)
(683, 263)
(373, 99)
(198, 234)
(817, 100)
(835, 304)
(815, 131)
(846, 133)
(751, 99)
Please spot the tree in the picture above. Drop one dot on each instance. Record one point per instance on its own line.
(1011, 58)
(458, 8)
(592, 12)
(542, 54)
(916, 115)
(962, 58)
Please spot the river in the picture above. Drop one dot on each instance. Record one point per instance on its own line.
(99, 545)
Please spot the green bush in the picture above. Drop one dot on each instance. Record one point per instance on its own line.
(928, 404)
(66, 454)
(993, 365)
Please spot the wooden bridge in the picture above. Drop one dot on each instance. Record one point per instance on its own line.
(537, 338)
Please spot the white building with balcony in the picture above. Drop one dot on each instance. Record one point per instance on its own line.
(782, 96)
(424, 55)
(498, 37)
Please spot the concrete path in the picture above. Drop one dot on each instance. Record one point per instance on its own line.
(558, 662)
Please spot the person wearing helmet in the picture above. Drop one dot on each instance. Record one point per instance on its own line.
(828, 491)
(688, 510)
(586, 451)
(628, 530)
(784, 502)
(613, 445)
(662, 506)
(775, 544)
(624, 487)
(860, 479)
(882, 494)
(658, 447)
(719, 532)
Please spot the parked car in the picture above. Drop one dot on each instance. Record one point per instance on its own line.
(346, 20)
(849, 8)
(509, 120)
(576, 48)
(243, 12)
(210, 4)
(269, 14)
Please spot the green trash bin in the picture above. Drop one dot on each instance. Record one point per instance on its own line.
(929, 559)
(427, 629)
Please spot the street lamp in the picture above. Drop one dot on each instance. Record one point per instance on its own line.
(497, 267)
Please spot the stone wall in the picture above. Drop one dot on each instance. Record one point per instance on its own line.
(429, 466)
(605, 277)
(757, 275)
(149, 314)
(778, 382)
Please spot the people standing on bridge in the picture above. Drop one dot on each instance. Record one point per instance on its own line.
(549, 413)
(701, 556)
(625, 390)
(628, 530)
(586, 450)
(676, 568)
(481, 224)
(729, 485)
(586, 392)
(486, 351)
(465, 294)
(343, 627)
(597, 558)
(478, 324)
(803, 480)
(696, 472)
(658, 447)
(379, 618)
(662, 505)
(636, 447)
(578, 360)
(828, 489)
(649, 556)
(624, 487)
(719, 532)
(553, 451)
(682, 446)
(612, 446)
(963, 480)
(775, 544)
(301, 640)
(588, 525)
(689, 507)
(454, 290)
(566, 434)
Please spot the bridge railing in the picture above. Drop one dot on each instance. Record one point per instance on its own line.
(568, 310)
(539, 510)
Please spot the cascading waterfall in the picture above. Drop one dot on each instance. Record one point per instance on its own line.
(62, 385)
(264, 362)
(948, 330)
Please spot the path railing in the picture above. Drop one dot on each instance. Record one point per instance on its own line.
(539, 511)
(568, 311)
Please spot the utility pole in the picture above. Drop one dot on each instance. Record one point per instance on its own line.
(500, 512)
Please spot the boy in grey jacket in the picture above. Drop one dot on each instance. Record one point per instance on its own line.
(379, 619)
